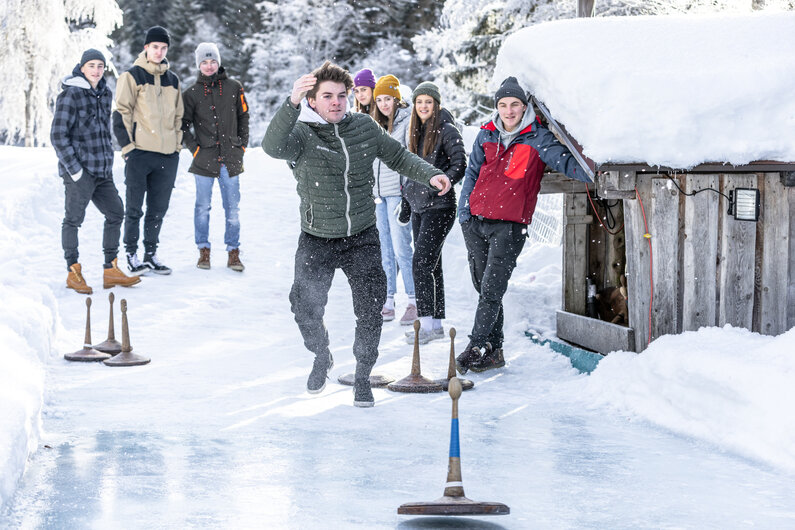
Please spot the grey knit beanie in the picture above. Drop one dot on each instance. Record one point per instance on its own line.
(92, 54)
(426, 88)
(207, 50)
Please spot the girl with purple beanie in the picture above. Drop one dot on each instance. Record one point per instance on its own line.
(363, 85)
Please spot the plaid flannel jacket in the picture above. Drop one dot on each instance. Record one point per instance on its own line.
(80, 129)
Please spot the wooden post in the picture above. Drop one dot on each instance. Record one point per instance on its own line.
(664, 227)
(638, 285)
(737, 251)
(791, 266)
(773, 245)
(700, 249)
(585, 8)
(575, 255)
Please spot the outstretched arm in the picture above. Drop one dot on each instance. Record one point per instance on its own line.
(557, 156)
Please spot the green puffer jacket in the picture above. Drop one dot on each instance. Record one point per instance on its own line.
(333, 164)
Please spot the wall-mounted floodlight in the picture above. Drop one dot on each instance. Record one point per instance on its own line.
(744, 204)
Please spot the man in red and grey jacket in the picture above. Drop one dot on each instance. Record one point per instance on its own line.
(498, 198)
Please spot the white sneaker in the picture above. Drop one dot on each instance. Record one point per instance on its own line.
(425, 335)
(136, 266)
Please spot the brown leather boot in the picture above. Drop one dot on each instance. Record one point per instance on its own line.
(204, 258)
(234, 261)
(74, 280)
(115, 276)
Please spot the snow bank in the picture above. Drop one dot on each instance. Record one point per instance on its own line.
(666, 90)
(728, 386)
(29, 310)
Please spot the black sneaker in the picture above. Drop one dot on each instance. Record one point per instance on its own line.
(151, 261)
(491, 359)
(134, 264)
(317, 377)
(362, 394)
(465, 360)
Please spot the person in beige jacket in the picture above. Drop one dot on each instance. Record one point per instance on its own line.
(148, 126)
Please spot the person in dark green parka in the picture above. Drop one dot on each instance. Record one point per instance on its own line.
(331, 152)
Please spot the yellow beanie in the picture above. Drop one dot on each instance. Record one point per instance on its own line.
(387, 85)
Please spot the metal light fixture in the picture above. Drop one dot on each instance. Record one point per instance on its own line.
(744, 204)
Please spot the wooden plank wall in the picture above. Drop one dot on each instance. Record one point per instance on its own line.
(709, 268)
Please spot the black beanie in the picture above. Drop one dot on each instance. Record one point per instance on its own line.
(92, 54)
(510, 89)
(157, 34)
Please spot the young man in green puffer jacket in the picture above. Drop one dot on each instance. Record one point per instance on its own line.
(331, 152)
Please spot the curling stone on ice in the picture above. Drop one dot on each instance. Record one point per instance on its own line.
(415, 382)
(453, 502)
(87, 354)
(126, 357)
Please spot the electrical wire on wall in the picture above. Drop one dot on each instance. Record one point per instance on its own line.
(608, 213)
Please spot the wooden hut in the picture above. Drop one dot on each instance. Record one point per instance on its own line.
(687, 260)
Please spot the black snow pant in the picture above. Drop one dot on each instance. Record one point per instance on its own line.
(359, 257)
(492, 250)
(152, 175)
(430, 230)
(103, 193)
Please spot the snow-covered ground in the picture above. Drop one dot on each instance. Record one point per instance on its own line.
(667, 90)
(218, 431)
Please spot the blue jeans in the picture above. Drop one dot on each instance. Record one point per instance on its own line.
(395, 243)
(230, 196)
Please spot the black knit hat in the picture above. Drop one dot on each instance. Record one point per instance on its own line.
(510, 89)
(157, 34)
(92, 54)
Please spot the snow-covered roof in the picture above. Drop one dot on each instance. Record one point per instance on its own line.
(673, 91)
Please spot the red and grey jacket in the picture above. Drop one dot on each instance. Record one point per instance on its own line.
(502, 183)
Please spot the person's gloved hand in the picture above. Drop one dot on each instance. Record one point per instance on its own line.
(403, 212)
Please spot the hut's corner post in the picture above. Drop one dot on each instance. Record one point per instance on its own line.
(638, 265)
(575, 251)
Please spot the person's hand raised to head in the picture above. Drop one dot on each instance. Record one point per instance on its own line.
(302, 85)
(441, 183)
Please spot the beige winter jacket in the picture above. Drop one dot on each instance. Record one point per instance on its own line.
(149, 108)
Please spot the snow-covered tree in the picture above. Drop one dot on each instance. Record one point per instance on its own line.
(41, 40)
(464, 49)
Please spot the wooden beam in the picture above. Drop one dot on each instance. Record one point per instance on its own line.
(594, 334)
(664, 228)
(707, 167)
(559, 183)
(616, 184)
(585, 8)
(791, 266)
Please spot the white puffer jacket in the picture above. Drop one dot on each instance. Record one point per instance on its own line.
(387, 181)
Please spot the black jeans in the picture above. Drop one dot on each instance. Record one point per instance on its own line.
(316, 260)
(103, 193)
(430, 230)
(492, 249)
(152, 175)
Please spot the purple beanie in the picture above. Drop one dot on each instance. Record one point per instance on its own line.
(364, 77)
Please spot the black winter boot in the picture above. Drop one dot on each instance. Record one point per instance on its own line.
(320, 369)
(468, 357)
(491, 359)
(362, 394)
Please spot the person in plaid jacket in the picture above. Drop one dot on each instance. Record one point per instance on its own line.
(80, 133)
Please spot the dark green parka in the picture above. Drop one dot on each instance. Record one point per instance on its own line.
(217, 110)
(333, 164)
